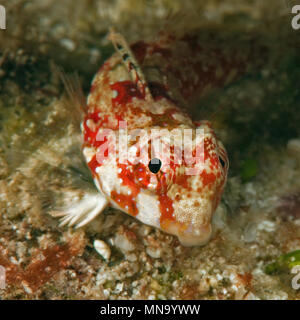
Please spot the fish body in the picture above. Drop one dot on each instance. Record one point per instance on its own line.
(170, 170)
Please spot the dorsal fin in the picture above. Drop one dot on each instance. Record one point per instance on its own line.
(130, 62)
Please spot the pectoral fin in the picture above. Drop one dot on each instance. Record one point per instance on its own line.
(82, 211)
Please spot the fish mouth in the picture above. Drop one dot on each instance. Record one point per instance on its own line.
(191, 236)
(195, 237)
(192, 225)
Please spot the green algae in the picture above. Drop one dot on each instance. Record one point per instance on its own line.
(284, 263)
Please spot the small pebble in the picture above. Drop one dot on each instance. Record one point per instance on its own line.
(103, 249)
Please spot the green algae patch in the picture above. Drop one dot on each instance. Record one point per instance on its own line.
(284, 263)
(249, 170)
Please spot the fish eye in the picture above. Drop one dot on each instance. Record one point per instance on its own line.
(154, 165)
(222, 162)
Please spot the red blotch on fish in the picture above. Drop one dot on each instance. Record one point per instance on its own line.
(207, 178)
(126, 202)
(125, 91)
(166, 209)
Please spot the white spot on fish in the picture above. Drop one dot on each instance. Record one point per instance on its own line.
(133, 150)
(91, 124)
(98, 169)
(88, 153)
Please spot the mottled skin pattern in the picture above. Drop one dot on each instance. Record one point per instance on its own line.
(153, 85)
